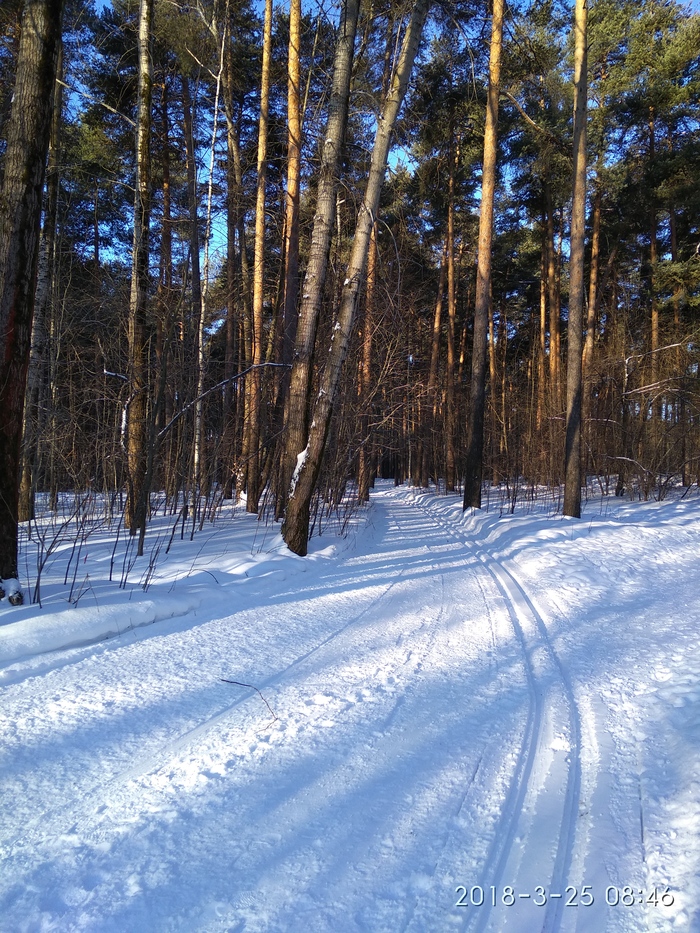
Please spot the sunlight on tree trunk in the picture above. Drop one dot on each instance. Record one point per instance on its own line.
(254, 383)
(136, 430)
(477, 396)
(572, 469)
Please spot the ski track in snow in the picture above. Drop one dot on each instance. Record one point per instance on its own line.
(544, 794)
(98, 815)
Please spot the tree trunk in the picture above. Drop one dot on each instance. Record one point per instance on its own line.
(433, 394)
(27, 142)
(572, 463)
(254, 384)
(450, 413)
(656, 406)
(592, 316)
(296, 416)
(295, 529)
(554, 313)
(291, 264)
(542, 343)
(138, 304)
(477, 394)
(45, 287)
(235, 264)
(196, 280)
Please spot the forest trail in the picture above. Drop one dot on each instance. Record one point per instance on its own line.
(419, 744)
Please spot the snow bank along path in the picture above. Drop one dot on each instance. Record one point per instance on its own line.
(462, 730)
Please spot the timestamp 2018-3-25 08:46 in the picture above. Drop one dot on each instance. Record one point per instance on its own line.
(584, 896)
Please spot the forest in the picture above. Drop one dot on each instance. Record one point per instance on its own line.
(270, 253)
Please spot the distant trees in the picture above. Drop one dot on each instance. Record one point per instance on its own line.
(313, 269)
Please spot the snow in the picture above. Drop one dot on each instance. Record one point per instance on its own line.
(452, 708)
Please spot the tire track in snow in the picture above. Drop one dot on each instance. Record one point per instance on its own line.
(546, 675)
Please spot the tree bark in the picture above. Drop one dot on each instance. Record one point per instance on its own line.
(477, 394)
(542, 340)
(45, 286)
(291, 265)
(138, 303)
(236, 263)
(592, 315)
(365, 374)
(572, 463)
(196, 278)
(254, 384)
(295, 529)
(27, 143)
(553, 300)
(450, 413)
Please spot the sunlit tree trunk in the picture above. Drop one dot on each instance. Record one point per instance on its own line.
(656, 408)
(254, 383)
(237, 269)
(554, 313)
(477, 394)
(572, 464)
(291, 264)
(195, 270)
(365, 374)
(542, 341)
(432, 401)
(450, 402)
(136, 427)
(591, 318)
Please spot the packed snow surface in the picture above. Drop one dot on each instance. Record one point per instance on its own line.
(441, 722)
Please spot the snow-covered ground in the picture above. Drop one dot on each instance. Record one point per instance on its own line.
(476, 722)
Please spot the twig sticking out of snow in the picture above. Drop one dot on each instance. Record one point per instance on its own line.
(251, 687)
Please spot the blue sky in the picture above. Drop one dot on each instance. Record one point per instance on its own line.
(693, 4)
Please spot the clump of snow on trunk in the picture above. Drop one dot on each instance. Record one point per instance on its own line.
(301, 460)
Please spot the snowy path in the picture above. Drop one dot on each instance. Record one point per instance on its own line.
(431, 741)
(533, 846)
